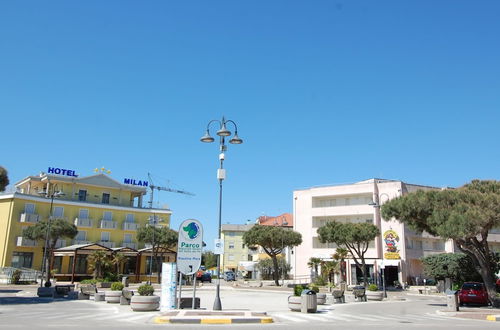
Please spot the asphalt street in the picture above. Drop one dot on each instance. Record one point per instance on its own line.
(22, 310)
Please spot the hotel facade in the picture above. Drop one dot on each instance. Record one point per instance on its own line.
(107, 214)
(397, 249)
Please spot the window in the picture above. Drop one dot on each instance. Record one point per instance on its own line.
(230, 257)
(22, 259)
(127, 238)
(29, 208)
(129, 217)
(231, 245)
(83, 214)
(249, 258)
(105, 198)
(57, 265)
(58, 212)
(105, 236)
(81, 236)
(82, 195)
(80, 265)
(107, 216)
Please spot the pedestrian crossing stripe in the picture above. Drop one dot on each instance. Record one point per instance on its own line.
(296, 317)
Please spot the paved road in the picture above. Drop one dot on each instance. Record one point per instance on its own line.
(20, 310)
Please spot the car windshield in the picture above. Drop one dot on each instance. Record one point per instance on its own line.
(472, 286)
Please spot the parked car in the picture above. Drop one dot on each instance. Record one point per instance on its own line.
(229, 276)
(473, 293)
(202, 276)
(206, 277)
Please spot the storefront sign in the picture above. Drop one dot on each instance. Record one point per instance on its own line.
(168, 286)
(135, 182)
(391, 240)
(61, 171)
(189, 246)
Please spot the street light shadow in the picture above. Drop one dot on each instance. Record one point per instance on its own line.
(439, 305)
(9, 291)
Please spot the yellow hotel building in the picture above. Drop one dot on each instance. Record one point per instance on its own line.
(104, 210)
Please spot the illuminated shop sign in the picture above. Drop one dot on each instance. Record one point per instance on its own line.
(62, 171)
(135, 182)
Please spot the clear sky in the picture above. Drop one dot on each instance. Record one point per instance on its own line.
(323, 92)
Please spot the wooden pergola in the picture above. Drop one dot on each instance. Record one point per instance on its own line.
(87, 249)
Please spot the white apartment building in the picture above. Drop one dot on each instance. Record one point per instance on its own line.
(397, 248)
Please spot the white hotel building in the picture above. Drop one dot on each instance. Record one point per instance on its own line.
(398, 248)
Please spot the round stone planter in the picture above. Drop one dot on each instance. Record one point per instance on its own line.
(374, 295)
(321, 298)
(294, 303)
(112, 297)
(145, 303)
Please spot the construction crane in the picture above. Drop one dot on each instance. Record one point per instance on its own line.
(153, 187)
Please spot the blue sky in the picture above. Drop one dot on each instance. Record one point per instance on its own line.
(323, 92)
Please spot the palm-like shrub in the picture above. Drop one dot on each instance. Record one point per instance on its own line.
(117, 286)
(146, 290)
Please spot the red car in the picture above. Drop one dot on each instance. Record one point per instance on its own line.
(473, 293)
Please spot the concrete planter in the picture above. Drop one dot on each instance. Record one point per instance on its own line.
(374, 295)
(145, 303)
(294, 303)
(321, 298)
(45, 292)
(112, 297)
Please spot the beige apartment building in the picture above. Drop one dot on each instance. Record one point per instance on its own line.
(398, 248)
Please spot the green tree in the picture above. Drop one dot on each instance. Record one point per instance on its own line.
(465, 215)
(118, 260)
(457, 266)
(329, 269)
(98, 263)
(355, 237)
(266, 268)
(59, 229)
(4, 179)
(340, 255)
(314, 263)
(272, 240)
(161, 240)
(209, 259)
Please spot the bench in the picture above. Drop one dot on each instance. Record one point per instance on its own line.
(359, 293)
(339, 296)
(87, 290)
(63, 290)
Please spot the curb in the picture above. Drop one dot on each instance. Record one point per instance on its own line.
(493, 318)
(213, 317)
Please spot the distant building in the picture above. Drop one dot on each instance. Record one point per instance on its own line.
(237, 256)
(106, 212)
(398, 248)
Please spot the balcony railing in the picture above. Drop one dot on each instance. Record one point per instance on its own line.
(130, 226)
(107, 244)
(129, 245)
(81, 242)
(28, 217)
(21, 241)
(107, 224)
(79, 222)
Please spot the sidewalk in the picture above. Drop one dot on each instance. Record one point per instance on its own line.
(485, 313)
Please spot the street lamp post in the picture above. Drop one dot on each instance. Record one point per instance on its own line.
(152, 249)
(284, 223)
(382, 268)
(223, 132)
(45, 263)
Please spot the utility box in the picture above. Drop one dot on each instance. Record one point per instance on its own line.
(452, 301)
(308, 301)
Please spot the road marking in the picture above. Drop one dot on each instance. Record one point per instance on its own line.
(289, 317)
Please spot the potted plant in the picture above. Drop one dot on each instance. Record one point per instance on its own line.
(146, 300)
(373, 293)
(113, 296)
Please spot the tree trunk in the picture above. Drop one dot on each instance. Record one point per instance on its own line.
(276, 270)
(483, 267)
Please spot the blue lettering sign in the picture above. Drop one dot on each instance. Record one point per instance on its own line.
(62, 171)
(135, 182)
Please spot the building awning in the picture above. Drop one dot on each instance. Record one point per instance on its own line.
(81, 249)
(248, 266)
